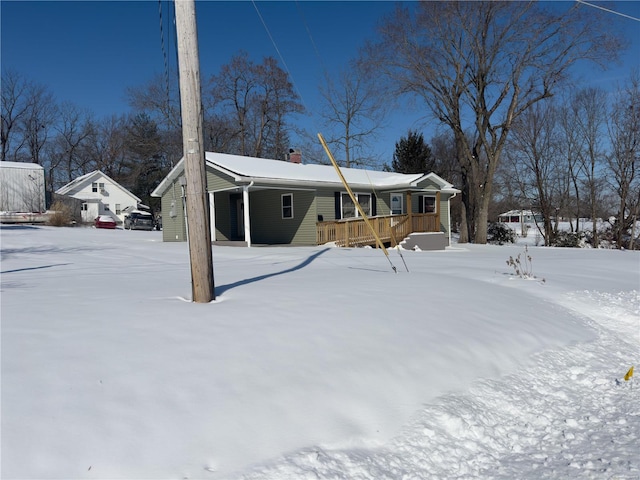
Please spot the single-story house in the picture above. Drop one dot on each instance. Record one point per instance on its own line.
(521, 221)
(100, 195)
(261, 201)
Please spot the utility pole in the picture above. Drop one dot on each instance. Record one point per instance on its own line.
(202, 286)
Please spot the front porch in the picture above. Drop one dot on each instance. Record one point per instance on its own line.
(392, 229)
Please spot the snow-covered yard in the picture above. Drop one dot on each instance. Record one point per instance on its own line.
(315, 362)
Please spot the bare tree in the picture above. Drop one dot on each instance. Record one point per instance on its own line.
(38, 121)
(15, 90)
(154, 100)
(591, 108)
(571, 146)
(354, 110)
(624, 159)
(249, 106)
(536, 166)
(65, 154)
(478, 66)
(106, 148)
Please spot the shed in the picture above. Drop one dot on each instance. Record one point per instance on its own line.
(22, 188)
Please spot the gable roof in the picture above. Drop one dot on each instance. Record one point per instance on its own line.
(90, 178)
(263, 171)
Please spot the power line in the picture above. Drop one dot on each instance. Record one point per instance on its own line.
(293, 80)
(164, 54)
(608, 10)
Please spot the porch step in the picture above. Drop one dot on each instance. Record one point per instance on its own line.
(230, 243)
(425, 241)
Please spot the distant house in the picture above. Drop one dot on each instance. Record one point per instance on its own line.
(520, 220)
(100, 195)
(261, 201)
(22, 188)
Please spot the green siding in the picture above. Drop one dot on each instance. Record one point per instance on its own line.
(173, 224)
(444, 212)
(223, 216)
(226, 228)
(325, 204)
(416, 197)
(267, 224)
(428, 183)
(383, 200)
(218, 181)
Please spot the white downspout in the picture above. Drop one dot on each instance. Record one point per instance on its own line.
(449, 215)
(247, 217)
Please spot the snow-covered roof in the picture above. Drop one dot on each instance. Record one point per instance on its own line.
(276, 172)
(90, 177)
(512, 213)
(25, 165)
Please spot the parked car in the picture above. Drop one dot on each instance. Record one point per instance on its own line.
(105, 221)
(138, 221)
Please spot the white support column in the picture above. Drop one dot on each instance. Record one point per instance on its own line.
(247, 218)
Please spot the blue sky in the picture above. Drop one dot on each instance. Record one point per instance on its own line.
(90, 52)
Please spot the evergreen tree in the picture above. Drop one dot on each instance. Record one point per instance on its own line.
(412, 155)
(147, 163)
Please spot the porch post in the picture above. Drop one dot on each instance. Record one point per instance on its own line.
(212, 215)
(247, 218)
(438, 211)
(410, 211)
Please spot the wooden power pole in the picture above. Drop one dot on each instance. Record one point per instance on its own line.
(203, 289)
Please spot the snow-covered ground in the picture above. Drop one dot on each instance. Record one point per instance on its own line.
(315, 362)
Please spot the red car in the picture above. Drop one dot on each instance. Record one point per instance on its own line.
(105, 221)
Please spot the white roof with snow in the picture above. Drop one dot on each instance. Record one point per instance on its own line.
(25, 165)
(277, 172)
(90, 177)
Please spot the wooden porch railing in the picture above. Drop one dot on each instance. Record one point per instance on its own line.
(392, 229)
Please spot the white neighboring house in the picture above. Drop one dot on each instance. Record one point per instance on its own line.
(521, 221)
(100, 195)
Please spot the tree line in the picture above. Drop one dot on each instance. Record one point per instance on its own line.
(489, 75)
(247, 110)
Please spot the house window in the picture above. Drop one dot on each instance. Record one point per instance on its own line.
(287, 205)
(348, 208)
(85, 207)
(118, 209)
(106, 207)
(396, 203)
(94, 187)
(429, 204)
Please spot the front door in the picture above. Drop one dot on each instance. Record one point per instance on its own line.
(240, 217)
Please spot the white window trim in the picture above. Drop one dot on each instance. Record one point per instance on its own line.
(282, 206)
(394, 194)
(357, 212)
(435, 204)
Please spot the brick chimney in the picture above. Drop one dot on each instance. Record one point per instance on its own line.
(294, 156)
